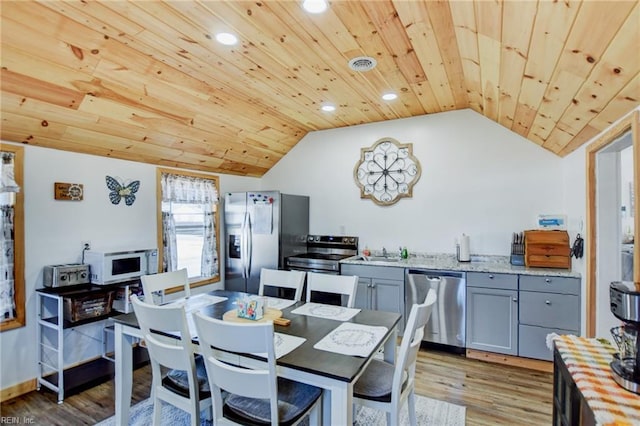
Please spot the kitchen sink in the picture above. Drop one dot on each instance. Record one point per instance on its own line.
(379, 258)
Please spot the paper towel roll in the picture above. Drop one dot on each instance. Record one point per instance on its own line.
(464, 254)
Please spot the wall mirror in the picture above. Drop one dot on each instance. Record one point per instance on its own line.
(387, 171)
(12, 292)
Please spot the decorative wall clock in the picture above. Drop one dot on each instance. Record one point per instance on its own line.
(387, 171)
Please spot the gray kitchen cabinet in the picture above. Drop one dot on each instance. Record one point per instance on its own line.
(548, 304)
(492, 312)
(379, 288)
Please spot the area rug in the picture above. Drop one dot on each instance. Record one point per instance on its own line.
(430, 412)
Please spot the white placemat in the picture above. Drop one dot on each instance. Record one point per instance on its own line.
(277, 303)
(352, 339)
(283, 344)
(338, 313)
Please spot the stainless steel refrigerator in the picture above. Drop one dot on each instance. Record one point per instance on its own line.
(262, 228)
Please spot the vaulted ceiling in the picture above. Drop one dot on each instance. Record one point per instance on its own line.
(146, 80)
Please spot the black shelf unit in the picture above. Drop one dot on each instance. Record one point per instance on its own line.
(52, 373)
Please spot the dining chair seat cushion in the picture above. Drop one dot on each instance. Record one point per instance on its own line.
(375, 383)
(294, 398)
(177, 380)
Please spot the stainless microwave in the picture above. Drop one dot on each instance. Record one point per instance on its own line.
(120, 266)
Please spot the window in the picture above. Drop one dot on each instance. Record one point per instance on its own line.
(188, 225)
(12, 297)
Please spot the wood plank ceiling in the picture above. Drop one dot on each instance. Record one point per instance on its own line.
(146, 80)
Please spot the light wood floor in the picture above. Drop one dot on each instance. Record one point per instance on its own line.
(493, 394)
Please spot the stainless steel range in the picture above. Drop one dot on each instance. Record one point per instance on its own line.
(324, 253)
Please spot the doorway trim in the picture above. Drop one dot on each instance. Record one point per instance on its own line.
(630, 122)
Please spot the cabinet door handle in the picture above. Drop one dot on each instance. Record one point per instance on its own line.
(547, 280)
(547, 302)
(490, 276)
(515, 299)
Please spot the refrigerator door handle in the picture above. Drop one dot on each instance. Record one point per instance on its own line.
(249, 245)
(243, 245)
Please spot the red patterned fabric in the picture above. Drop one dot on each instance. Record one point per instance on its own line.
(588, 363)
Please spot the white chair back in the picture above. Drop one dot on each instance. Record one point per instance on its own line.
(413, 334)
(169, 353)
(282, 279)
(158, 283)
(337, 284)
(238, 338)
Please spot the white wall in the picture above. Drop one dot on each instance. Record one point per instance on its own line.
(55, 229)
(477, 178)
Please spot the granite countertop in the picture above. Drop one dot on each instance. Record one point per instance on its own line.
(448, 262)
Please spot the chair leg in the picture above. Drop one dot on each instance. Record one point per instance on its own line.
(315, 416)
(411, 405)
(157, 412)
(195, 413)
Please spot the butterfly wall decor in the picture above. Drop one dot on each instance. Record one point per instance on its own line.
(120, 191)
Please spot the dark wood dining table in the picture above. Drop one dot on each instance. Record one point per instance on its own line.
(335, 373)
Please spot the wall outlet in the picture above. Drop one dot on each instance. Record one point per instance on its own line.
(86, 245)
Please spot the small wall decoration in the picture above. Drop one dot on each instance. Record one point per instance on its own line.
(122, 190)
(387, 171)
(68, 191)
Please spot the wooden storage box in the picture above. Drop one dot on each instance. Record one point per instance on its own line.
(547, 249)
(89, 306)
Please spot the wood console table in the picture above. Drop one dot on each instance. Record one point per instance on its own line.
(584, 393)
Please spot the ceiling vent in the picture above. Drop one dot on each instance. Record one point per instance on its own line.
(362, 63)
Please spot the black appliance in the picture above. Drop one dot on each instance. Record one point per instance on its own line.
(624, 298)
(324, 253)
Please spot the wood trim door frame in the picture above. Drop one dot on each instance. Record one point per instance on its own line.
(629, 122)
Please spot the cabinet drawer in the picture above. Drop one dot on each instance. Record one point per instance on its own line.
(549, 284)
(544, 261)
(550, 310)
(385, 272)
(490, 280)
(546, 237)
(548, 250)
(532, 341)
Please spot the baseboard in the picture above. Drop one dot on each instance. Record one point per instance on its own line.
(17, 390)
(532, 364)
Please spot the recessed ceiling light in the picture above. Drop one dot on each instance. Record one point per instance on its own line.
(362, 63)
(389, 96)
(227, 39)
(328, 107)
(314, 6)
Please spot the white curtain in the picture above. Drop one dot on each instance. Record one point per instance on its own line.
(169, 243)
(190, 190)
(7, 301)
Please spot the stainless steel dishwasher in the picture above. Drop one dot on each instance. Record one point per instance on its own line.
(446, 327)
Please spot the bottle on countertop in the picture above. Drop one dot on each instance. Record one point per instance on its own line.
(404, 253)
(366, 251)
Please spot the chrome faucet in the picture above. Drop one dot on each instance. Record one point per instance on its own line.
(384, 252)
